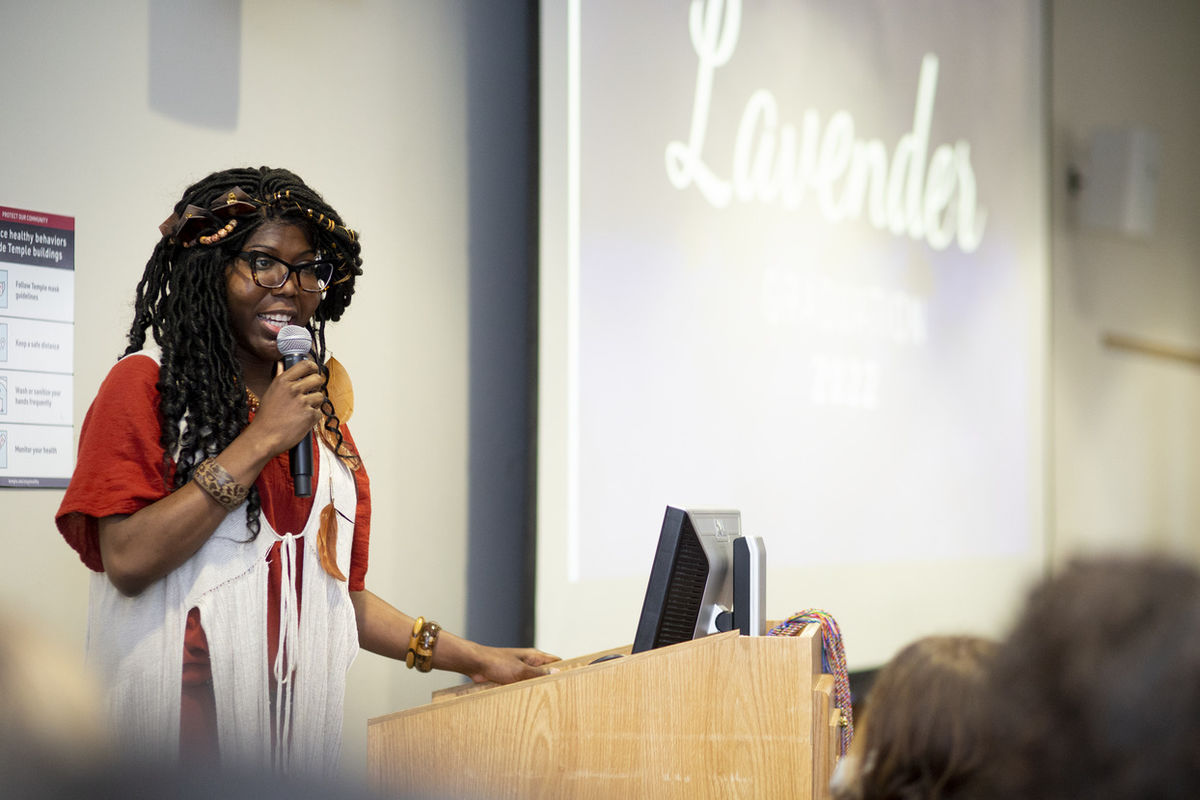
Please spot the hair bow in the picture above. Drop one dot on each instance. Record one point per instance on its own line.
(208, 224)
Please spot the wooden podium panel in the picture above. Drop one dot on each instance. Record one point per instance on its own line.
(723, 716)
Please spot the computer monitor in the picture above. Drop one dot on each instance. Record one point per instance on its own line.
(691, 588)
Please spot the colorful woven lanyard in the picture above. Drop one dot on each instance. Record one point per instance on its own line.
(833, 660)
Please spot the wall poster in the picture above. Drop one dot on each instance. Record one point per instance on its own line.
(37, 323)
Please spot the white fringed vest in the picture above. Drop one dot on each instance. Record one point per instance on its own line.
(135, 644)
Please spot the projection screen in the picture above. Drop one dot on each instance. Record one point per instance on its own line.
(793, 261)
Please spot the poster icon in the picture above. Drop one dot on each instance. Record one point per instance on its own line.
(3, 341)
(3, 288)
(3, 395)
(3, 449)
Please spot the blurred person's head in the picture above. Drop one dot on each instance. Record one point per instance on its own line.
(50, 708)
(924, 732)
(1097, 690)
(55, 742)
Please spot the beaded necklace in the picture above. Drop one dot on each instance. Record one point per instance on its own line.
(833, 660)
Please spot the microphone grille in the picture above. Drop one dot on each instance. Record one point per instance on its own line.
(293, 340)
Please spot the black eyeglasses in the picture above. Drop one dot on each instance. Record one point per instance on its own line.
(270, 272)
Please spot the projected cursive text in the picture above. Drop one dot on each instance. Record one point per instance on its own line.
(927, 196)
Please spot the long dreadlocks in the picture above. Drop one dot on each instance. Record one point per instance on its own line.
(181, 299)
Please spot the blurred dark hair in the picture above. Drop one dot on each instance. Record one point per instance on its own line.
(924, 733)
(1097, 690)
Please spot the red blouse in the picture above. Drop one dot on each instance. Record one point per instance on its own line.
(120, 463)
(119, 470)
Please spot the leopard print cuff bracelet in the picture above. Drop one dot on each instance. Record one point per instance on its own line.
(220, 485)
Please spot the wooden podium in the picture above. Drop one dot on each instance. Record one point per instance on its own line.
(723, 716)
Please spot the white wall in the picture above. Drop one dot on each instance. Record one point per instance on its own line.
(365, 100)
(1125, 426)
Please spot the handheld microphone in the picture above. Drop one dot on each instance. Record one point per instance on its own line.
(294, 343)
